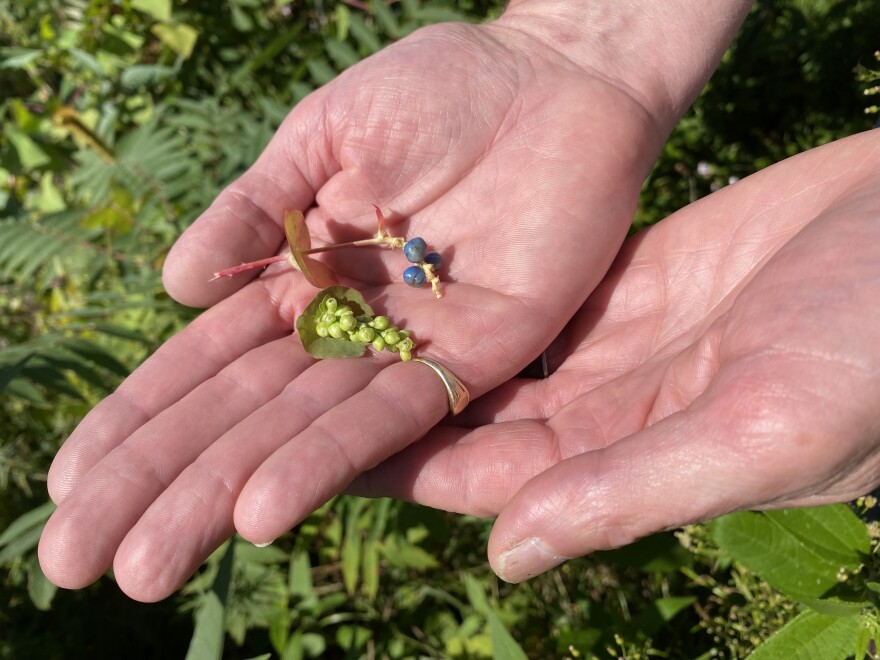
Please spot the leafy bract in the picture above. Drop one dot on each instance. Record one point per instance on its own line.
(317, 273)
(328, 347)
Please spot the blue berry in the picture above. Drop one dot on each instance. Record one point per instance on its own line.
(414, 276)
(434, 259)
(415, 249)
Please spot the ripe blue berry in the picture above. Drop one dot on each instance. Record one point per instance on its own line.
(434, 260)
(414, 276)
(415, 249)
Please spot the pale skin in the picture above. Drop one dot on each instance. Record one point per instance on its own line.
(230, 426)
(729, 360)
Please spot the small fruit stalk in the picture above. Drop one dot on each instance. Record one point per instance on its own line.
(339, 323)
(427, 264)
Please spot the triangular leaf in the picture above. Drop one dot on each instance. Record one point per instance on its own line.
(317, 273)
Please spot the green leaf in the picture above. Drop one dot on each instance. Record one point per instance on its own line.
(835, 528)
(8, 372)
(299, 582)
(158, 9)
(328, 347)
(402, 554)
(342, 54)
(811, 636)
(802, 568)
(179, 37)
(18, 58)
(29, 152)
(24, 523)
(145, 74)
(207, 639)
(351, 547)
(504, 646)
(40, 590)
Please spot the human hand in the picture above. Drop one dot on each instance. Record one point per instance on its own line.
(509, 157)
(729, 360)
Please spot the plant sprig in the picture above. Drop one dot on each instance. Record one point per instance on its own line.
(320, 275)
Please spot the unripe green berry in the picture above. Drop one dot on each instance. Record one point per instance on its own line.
(322, 329)
(405, 344)
(331, 304)
(380, 322)
(378, 343)
(366, 334)
(391, 337)
(328, 318)
(405, 355)
(344, 310)
(336, 331)
(347, 322)
(391, 348)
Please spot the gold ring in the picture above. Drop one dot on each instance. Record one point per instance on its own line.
(455, 390)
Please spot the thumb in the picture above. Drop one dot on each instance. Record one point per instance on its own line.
(244, 223)
(693, 465)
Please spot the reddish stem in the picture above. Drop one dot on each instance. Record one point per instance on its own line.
(235, 270)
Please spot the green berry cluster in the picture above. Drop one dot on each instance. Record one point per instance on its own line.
(339, 322)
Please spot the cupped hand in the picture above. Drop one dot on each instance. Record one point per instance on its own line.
(518, 166)
(730, 360)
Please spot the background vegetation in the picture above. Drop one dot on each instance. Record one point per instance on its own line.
(122, 120)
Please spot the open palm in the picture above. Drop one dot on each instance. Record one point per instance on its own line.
(729, 360)
(520, 168)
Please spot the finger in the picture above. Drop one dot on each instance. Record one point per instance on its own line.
(723, 453)
(477, 471)
(245, 221)
(215, 339)
(398, 406)
(193, 516)
(81, 537)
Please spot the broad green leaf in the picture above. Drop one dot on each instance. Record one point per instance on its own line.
(836, 528)
(811, 636)
(179, 37)
(385, 17)
(328, 347)
(370, 570)
(799, 567)
(158, 9)
(316, 272)
(24, 542)
(320, 70)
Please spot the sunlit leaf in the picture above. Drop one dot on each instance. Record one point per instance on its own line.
(798, 553)
(316, 272)
(179, 37)
(811, 636)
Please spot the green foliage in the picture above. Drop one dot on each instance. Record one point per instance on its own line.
(122, 120)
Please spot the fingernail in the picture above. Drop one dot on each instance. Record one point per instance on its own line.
(527, 559)
(263, 545)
